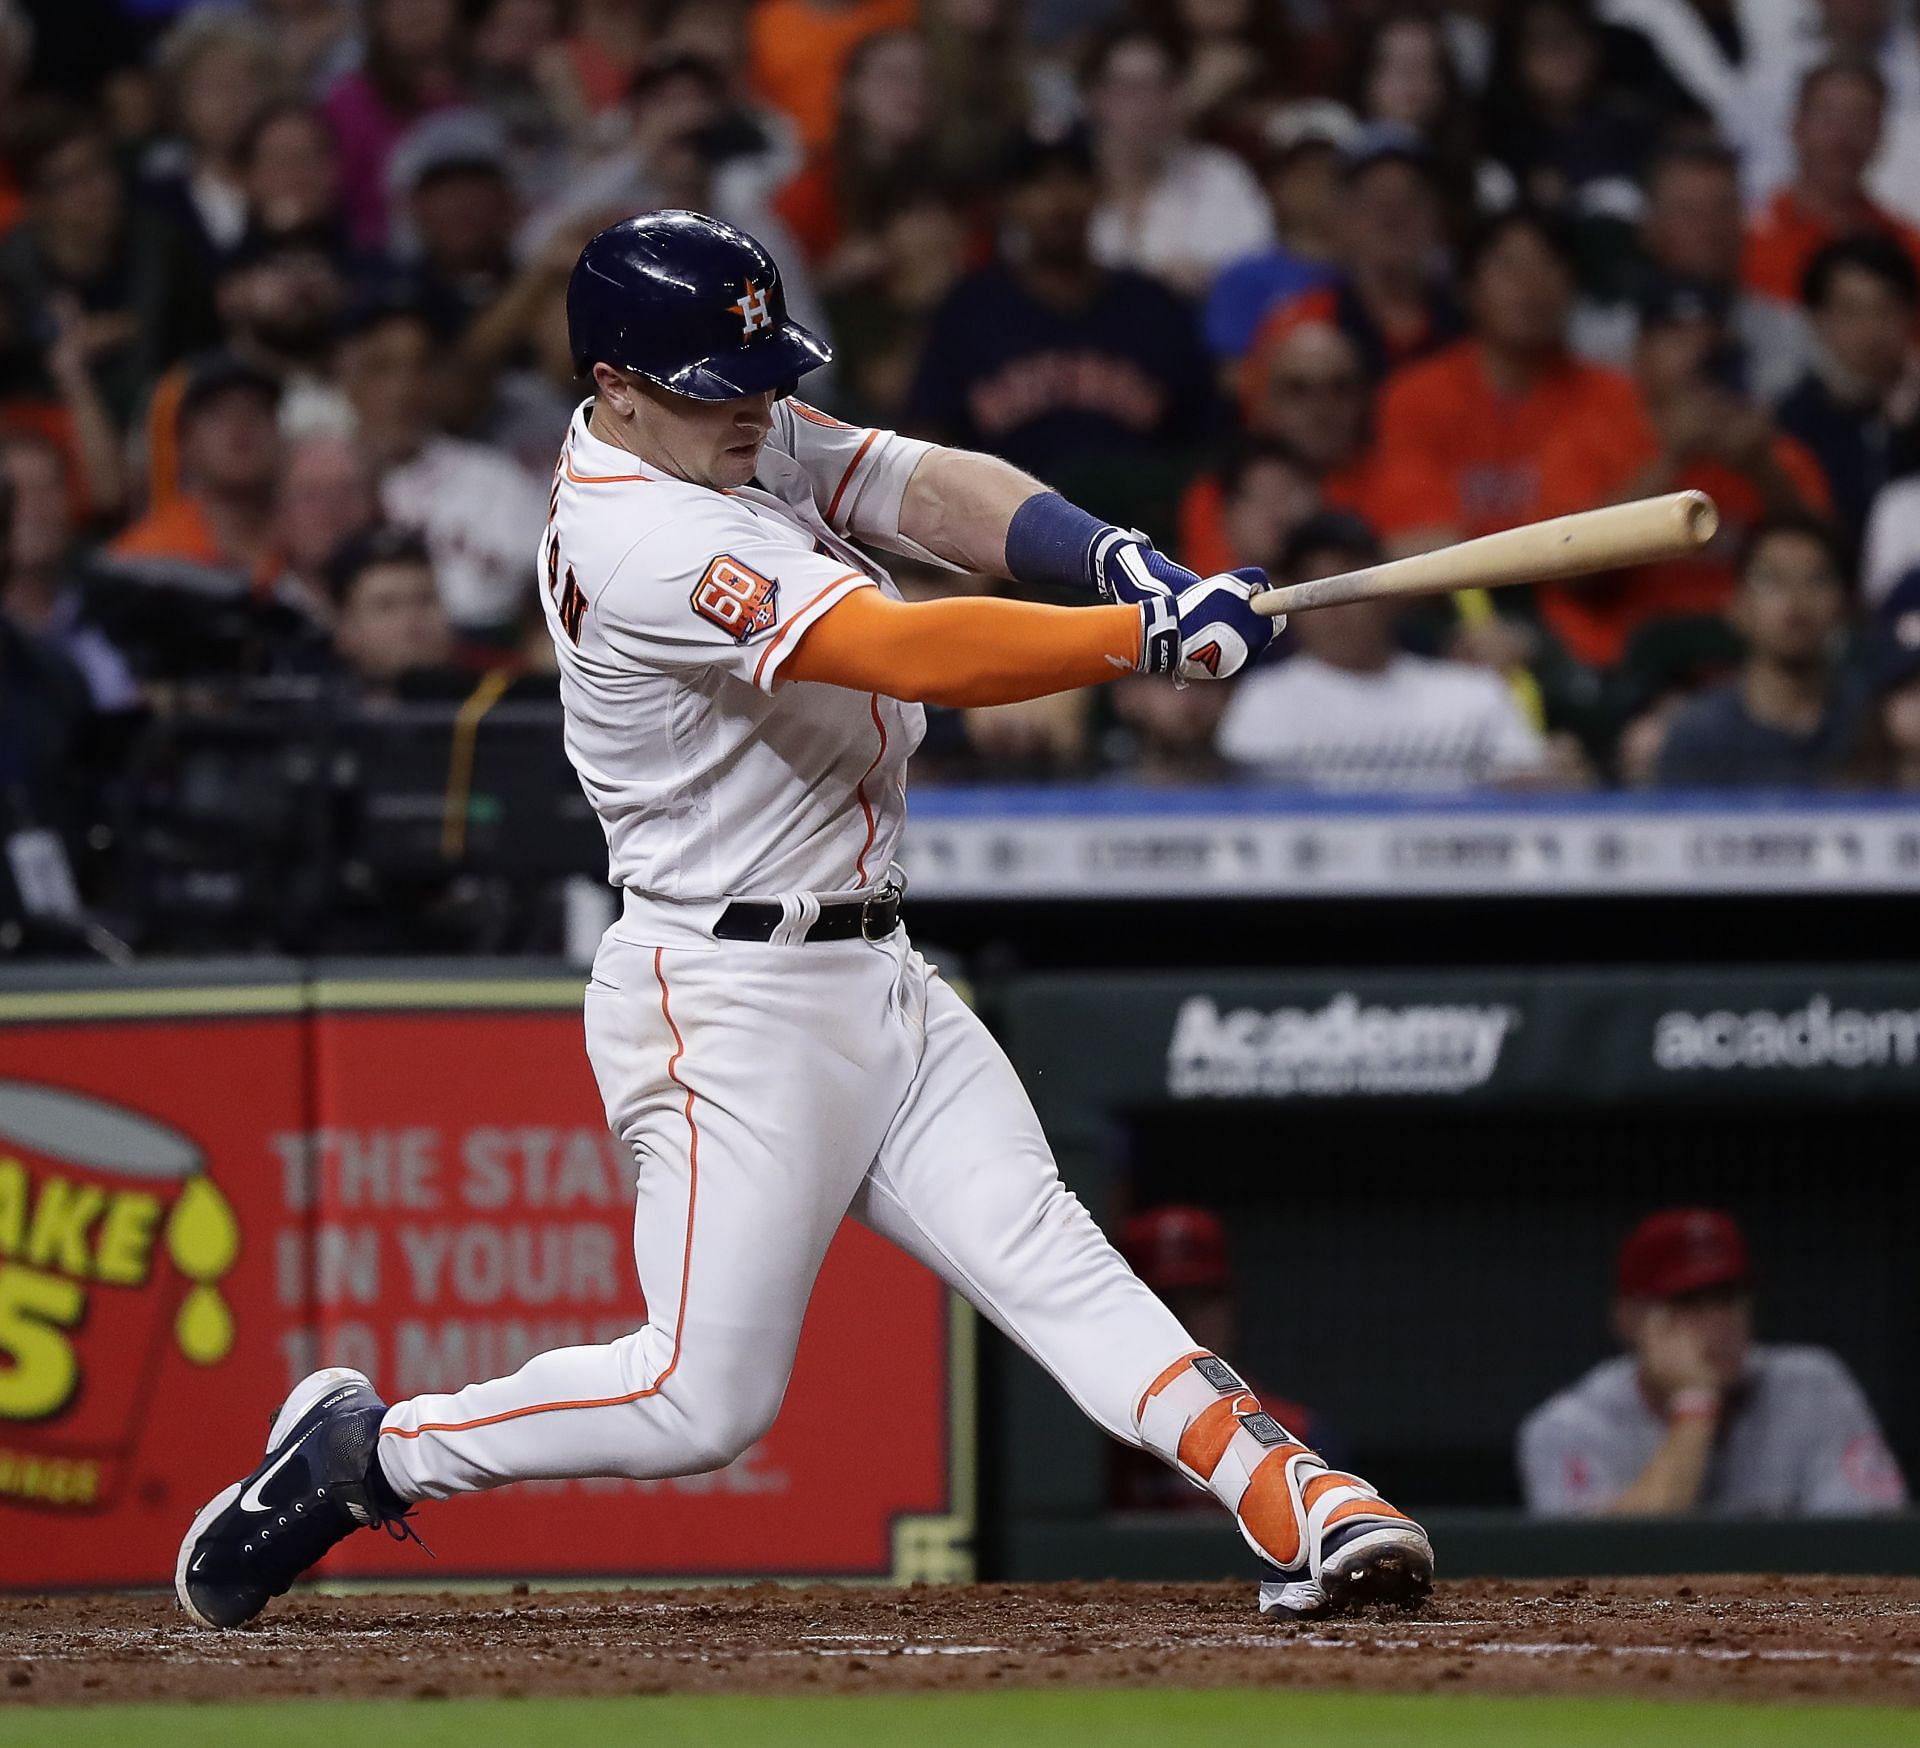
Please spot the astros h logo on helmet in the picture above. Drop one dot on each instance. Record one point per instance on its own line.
(752, 310)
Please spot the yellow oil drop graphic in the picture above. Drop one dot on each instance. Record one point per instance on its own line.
(202, 1235)
(204, 1327)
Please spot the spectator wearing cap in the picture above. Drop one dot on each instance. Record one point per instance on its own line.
(1696, 1416)
(1180, 1252)
(1888, 753)
(1837, 126)
(1055, 361)
(221, 520)
(1693, 430)
(1788, 718)
(454, 213)
(388, 621)
(1350, 711)
(1690, 241)
(412, 65)
(1168, 206)
(479, 513)
(1857, 407)
(1477, 415)
(1391, 296)
(1301, 166)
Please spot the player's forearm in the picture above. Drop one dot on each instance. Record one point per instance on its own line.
(965, 652)
(959, 505)
(1672, 1479)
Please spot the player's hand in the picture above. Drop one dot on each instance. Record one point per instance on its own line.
(1127, 568)
(1671, 1354)
(1192, 627)
(1208, 631)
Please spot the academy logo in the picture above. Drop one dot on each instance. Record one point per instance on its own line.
(1338, 1050)
(1815, 1036)
(752, 311)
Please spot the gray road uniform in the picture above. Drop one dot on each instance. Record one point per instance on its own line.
(1798, 1440)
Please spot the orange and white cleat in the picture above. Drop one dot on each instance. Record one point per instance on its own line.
(1336, 1544)
(1356, 1548)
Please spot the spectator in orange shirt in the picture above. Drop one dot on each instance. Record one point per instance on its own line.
(1243, 513)
(1694, 429)
(1837, 128)
(1304, 390)
(798, 48)
(1390, 299)
(1478, 415)
(222, 519)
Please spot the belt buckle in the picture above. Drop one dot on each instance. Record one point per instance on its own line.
(884, 897)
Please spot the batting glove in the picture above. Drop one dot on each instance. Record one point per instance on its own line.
(1191, 627)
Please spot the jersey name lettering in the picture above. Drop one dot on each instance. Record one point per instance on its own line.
(737, 598)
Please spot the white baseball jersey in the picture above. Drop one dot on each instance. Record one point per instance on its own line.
(673, 608)
(768, 1089)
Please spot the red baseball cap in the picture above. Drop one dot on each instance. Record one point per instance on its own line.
(1682, 1250)
(1177, 1247)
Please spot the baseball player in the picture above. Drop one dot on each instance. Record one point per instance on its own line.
(743, 686)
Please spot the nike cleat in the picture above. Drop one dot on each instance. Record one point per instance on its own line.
(319, 1483)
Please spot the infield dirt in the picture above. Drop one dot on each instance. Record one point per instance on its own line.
(1723, 1638)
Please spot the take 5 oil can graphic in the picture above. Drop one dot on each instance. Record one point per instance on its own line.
(113, 1243)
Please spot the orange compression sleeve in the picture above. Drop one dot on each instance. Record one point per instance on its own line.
(965, 651)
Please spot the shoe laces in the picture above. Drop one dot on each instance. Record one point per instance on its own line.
(400, 1529)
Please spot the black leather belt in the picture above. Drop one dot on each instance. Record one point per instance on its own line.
(872, 918)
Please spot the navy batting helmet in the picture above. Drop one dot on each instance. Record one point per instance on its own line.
(689, 303)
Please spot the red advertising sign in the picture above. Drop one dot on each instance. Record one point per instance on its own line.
(416, 1180)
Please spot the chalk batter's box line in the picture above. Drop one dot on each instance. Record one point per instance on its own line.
(324, 995)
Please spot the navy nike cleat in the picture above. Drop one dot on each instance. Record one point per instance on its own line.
(320, 1482)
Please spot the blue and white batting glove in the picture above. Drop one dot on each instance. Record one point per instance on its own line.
(1191, 627)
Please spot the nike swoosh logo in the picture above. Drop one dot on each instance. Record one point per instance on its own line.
(251, 1500)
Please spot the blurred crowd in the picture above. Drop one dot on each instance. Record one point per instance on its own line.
(1294, 283)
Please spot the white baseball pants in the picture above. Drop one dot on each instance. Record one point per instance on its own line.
(766, 1091)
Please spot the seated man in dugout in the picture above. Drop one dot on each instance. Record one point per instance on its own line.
(1696, 1416)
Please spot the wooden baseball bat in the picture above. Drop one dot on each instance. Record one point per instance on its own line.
(1567, 546)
